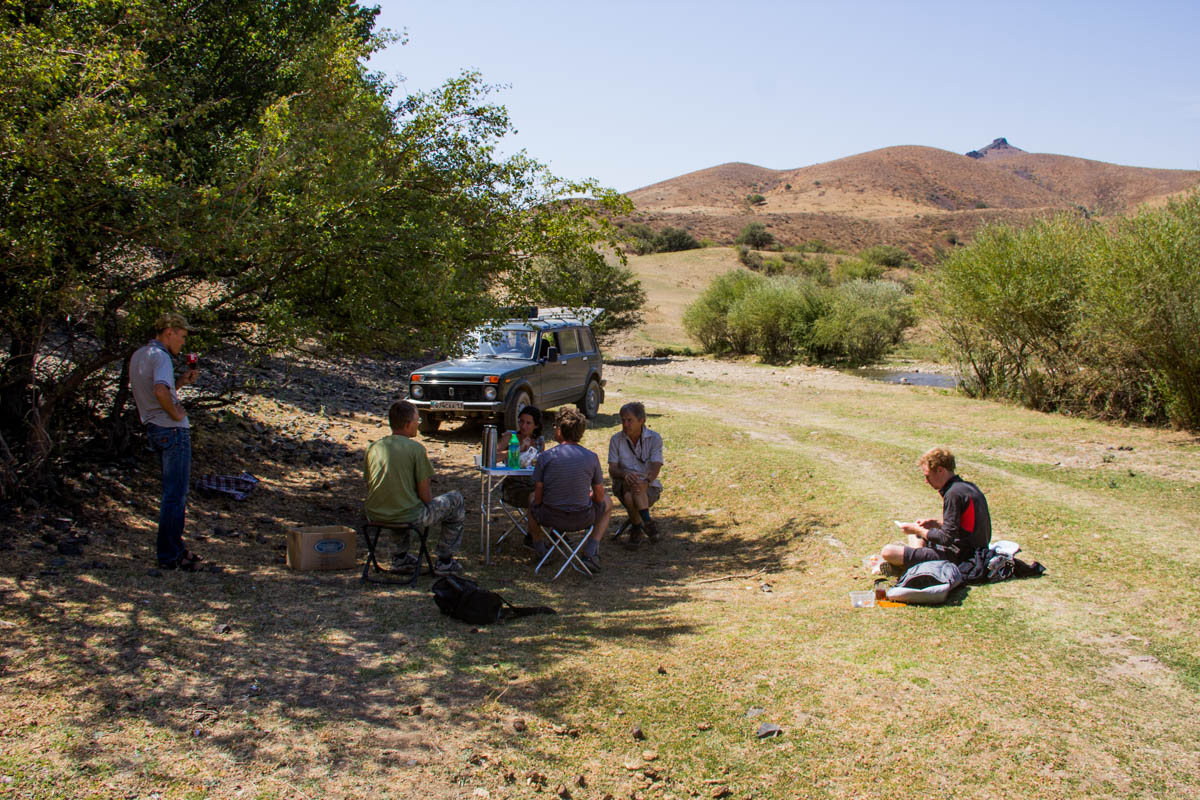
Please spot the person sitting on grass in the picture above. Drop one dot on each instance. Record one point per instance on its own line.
(398, 474)
(568, 490)
(635, 456)
(965, 525)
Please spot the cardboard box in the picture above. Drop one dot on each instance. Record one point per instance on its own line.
(322, 547)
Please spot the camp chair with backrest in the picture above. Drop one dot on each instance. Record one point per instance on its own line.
(560, 542)
(378, 528)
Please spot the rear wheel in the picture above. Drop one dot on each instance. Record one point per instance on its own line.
(590, 404)
(516, 401)
(429, 424)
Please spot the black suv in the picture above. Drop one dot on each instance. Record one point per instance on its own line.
(546, 360)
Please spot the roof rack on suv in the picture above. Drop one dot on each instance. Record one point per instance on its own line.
(585, 315)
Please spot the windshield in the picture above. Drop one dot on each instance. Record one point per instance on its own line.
(504, 343)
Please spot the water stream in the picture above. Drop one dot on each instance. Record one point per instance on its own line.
(915, 378)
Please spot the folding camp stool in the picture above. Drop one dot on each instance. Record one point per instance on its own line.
(378, 528)
(560, 542)
(622, 529)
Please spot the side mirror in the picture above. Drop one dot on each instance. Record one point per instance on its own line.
(552, 354)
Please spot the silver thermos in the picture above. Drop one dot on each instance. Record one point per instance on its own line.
(488, 459)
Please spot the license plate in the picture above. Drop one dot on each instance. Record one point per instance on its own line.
(446, 405)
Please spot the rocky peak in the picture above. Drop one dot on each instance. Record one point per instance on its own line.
(997, 147)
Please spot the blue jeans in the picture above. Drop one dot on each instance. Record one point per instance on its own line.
(174, 447)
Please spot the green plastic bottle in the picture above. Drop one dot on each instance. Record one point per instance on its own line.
(514, 451)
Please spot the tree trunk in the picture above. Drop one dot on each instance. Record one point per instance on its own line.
(120, 437)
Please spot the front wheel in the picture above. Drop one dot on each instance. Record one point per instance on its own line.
(516, 401)
(590, 404)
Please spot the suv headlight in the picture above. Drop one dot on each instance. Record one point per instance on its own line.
(489, 393)
(417, 391)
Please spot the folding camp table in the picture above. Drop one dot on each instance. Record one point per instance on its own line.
(490, 481)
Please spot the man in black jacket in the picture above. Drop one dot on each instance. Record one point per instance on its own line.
(965, 525)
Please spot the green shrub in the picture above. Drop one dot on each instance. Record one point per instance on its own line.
(1008, 303)
(755, 235)
(756, 199)
(863, 320)
(886, 255)
(1143, 310)
(790, 316)
(853, 269)
(774, 318)
(1069, 315)
(705, 320)
(813, 246)
(673, 240)
(642, 238)
(815, 268)
(749, 258)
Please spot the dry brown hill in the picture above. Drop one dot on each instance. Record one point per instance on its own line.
(921, 198)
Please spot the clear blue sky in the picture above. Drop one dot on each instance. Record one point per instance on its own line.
(631, 93)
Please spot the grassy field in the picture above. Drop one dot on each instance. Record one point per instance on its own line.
(261, 682)
(672, 281)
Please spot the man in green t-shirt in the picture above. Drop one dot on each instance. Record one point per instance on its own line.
(398, 473)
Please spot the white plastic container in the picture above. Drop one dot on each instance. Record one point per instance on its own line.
(863, 599)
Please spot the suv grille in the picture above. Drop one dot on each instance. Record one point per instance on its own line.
(466, 393)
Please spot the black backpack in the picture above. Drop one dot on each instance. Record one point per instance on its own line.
(462, 599)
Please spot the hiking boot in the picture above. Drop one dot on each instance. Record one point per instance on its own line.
(591, 562)
(404, 562)
(651, 530)
(450, 567)
(635, 537)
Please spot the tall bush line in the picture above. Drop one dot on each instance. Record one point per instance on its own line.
(790, 317)
(1070, 315)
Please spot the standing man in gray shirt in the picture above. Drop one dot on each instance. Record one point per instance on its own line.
(635, 456)
(153, 382)
(568, 490)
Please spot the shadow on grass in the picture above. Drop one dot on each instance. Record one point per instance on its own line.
(205, 655)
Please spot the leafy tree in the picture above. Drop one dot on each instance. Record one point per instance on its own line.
(236, 161)
(756, 235)
(591, 280)
(1068, 314)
